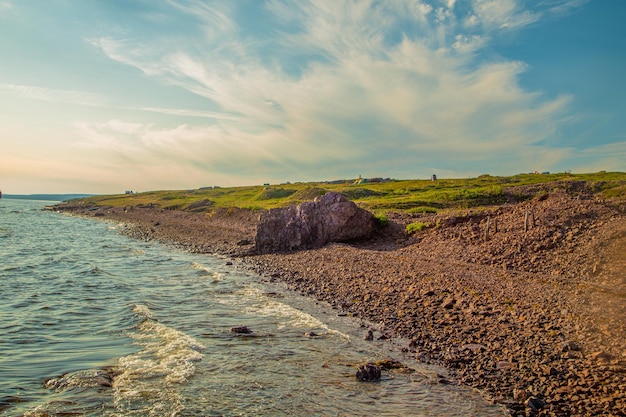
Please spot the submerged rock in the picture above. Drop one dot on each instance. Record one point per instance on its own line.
(368, 372)
(330, 218)
(241, 329)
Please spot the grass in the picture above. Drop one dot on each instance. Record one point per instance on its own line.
(416, 227)
(413, 196)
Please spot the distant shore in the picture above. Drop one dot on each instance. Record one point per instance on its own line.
(533, 314)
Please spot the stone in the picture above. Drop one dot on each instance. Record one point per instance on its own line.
(368, 372)
(569, 346)
(503, 365)
(534, 403)
(241, 329)
(330, 218)
(474, 347)
(448, 303)
(601, 356)
(520, 395)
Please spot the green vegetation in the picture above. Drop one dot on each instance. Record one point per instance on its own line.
(416, 227)
(273, 193)
(381, 219)
(413, 196)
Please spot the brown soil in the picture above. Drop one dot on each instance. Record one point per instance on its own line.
(532, 309)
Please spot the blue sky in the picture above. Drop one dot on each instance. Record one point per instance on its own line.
(103, 96)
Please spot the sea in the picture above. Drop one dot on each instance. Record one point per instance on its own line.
(93, 323)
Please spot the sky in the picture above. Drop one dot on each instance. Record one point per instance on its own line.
(104, 96)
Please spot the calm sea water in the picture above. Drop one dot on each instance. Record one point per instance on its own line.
(79, 300)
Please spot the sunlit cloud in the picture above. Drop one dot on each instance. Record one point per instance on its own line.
(305, 90)
(501, 14)
(362, 85)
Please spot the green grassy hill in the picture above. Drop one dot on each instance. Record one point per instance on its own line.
(394, 195)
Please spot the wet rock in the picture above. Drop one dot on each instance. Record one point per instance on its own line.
(370, 335)
(388, 364)
(368, 372)
(241, 330)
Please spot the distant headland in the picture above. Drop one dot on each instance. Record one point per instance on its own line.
(46, 197)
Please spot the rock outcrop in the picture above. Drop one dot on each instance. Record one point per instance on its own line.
(329, 218)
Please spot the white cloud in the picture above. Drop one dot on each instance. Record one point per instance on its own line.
(468, 43)
(365, 87)
(502, 14)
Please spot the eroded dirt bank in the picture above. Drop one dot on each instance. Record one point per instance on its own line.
(531, 309)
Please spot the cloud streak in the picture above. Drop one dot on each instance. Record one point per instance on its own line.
(54, 95)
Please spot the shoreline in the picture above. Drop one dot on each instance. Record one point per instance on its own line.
(534, 318)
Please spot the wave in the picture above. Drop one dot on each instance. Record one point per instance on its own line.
(147, 381)
(208, 271)
(289, 317)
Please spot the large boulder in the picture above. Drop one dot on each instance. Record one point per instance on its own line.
(329, 218)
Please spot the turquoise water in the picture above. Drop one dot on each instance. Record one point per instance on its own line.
(81, 302)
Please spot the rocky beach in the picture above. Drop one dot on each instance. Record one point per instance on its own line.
(525, 301)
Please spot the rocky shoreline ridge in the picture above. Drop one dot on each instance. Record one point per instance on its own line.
(524, 301)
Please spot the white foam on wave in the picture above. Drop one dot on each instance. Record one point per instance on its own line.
(142, 310)
(288, 316)
(148, 380)
(214, 274)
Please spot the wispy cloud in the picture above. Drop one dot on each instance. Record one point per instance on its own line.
(54, 95)
(501, 14)
(84, 98)
(5, 5)
(562, 7)
(609, 157)
(345, 80)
